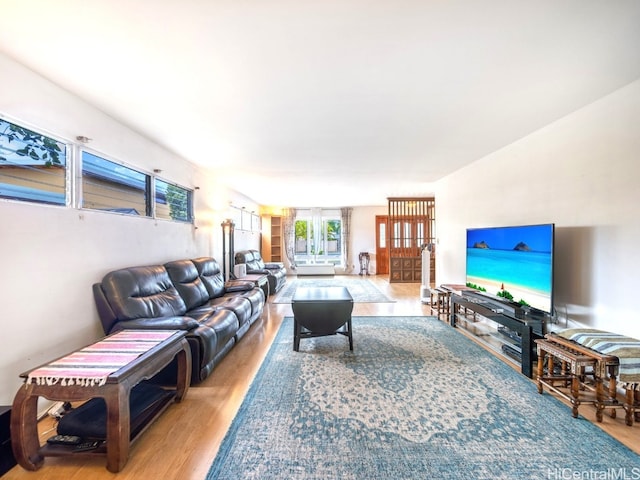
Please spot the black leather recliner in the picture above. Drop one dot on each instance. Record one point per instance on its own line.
(275, 271)
(174, 297)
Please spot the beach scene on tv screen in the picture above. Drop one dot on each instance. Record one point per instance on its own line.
(515, 260)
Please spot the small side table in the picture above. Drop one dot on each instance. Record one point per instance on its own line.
(260, 281)
(24, 430)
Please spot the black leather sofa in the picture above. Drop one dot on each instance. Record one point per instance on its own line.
(186, 295)
(275, 271)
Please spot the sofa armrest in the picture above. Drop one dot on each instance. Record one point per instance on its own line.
(165, 323)
(274, 265)
(260, 271)
(238, 285)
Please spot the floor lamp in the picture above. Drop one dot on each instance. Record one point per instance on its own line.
(227, 248)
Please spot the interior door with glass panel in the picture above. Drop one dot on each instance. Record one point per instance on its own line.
(382, 245)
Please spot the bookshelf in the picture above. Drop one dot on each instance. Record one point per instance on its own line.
(272, 241)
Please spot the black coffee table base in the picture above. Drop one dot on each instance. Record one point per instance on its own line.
(321, 311)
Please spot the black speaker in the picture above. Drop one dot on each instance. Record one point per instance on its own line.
(7, 460)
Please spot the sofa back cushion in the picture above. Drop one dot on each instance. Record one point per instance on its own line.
(185, 278)
(142, 292)
(210, 275)
(251, 258)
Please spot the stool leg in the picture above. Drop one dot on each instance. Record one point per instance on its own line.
(550, 372)
(613, 388)
(599, 398)
(541, 354)
(629, 406)
(575, 394)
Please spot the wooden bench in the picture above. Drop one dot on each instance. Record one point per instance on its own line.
(606, 374)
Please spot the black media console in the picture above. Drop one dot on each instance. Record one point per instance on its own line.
(502, 325)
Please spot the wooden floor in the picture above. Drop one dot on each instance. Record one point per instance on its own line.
(182, 443)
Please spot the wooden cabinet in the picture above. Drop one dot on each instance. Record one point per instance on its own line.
(272, 238)
(407, 269)
(411, 225)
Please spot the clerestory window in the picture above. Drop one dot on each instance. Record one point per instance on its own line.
(109, 186)
(173, 202)
(33, 166)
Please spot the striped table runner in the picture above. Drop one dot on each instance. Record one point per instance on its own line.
(92, 365)
(627, 349)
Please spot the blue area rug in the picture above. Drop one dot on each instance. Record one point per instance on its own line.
(414, 400)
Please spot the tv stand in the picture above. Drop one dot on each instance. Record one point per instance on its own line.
(497, 304)
(495, 325)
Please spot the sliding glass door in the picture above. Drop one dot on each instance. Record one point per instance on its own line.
(318, 237)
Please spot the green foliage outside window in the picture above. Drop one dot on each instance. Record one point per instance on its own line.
(179, 202)
(34, 145)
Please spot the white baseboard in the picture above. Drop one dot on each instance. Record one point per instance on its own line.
(316, 269)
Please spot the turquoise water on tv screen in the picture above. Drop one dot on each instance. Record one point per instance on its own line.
(529, 270)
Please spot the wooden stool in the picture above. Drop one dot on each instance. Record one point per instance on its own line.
(439, 301)
(606, 371)
(573, 370)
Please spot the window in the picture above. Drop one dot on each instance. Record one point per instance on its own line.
(33, 167)
(113, 187)
(318, 239)
(173, 202)
(255, 222)
(243, 219)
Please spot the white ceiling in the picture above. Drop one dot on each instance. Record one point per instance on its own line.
(330, 102)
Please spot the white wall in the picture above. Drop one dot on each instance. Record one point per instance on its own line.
(363, 235)
(582, 174)
(51, 256)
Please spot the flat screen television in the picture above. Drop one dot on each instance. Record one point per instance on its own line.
(514, 262)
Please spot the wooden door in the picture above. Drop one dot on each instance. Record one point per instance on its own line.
(382, 245)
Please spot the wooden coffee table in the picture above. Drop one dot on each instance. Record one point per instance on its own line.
(115, 391)
(321, 311)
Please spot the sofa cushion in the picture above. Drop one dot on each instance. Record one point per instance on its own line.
(224, 323)
(239, 305)
(210, 275)
(142, 292)
(256, 299)
(184, 275)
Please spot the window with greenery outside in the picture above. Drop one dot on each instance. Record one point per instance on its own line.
(173, 202)
(318, 240)
(33, 166)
